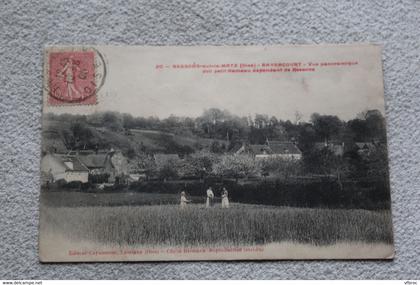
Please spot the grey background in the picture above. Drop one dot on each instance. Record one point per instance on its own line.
(25, 27)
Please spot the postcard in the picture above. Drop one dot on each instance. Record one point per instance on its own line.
(214, 153)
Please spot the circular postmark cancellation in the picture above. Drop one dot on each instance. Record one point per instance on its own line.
(74, 75)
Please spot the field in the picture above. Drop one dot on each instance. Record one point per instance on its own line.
(80, 199)
(86, 199)
(168, 225)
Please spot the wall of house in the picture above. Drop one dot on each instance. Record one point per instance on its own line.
(59, 176)
(120, 164)
(81, 176)
(53, 164)
(96, 171)
(116, 165)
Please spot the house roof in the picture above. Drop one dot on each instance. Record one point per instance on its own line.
(260, 149)
(284, 148)
(94, 160)
(236, 148)
(77, 165)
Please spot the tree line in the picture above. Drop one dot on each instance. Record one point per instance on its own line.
(222, 125)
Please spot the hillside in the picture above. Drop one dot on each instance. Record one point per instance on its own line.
(61, 136)
(164, 141)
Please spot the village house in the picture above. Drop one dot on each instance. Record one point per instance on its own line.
(55, 167)
(113, 163)
(271, 149)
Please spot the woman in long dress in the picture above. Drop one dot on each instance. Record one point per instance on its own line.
(225, 199)
(210, 196)
(184, 200)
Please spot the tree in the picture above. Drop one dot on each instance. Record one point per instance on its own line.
(169, 169)
(377, 162)
(306, 137)
(298, 117)
(171, 123)
(209, 119)
(217, 147)
(236, 166)
(150, 167)
(273, 121)
(368, 126)
(280, 167)
(203, 163)
(112, 121)
(261, 121)
(375, 124)
(186, 168)
(358, 129)
(168, 172)
(131, 153)
(325, 162)
(326, 126)
(80, 135)
(128, 121)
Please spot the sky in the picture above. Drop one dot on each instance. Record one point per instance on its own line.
(134, 85)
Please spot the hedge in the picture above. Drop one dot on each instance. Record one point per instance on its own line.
(325, 194)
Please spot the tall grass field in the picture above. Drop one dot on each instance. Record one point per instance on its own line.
(241, 224)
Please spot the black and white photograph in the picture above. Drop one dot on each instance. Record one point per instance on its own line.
(214, 153)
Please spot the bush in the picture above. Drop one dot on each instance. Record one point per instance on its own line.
(99, 178)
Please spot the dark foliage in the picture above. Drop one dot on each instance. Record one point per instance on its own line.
(98, 178)
(325, 194)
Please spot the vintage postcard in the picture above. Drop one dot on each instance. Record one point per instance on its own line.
(214, 153)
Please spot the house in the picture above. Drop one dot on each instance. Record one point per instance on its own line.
(273, 149)
(113, 163)
(335, 147)
(97, 163)
(56, 167)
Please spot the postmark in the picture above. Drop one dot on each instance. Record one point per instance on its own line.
(74, 76)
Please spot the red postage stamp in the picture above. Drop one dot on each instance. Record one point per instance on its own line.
(72, 78)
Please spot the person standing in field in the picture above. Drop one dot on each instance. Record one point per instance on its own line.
(225, 199)
(210, 197)
(184, 200)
